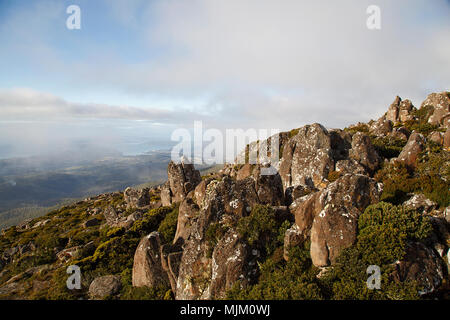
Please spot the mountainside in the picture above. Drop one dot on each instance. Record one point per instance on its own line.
(372, 194)
(30, 187)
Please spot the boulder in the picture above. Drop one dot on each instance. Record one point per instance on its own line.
(292, 238)
(187, 211)
(400, 133)
(307, 157)
(412, 149)
(166, 195)
(147, 266)
(420, 264)
(136, 198)
(441, 107)
(437, 137)
(182, 179)
(350, 166)
(330, 217)
(421, 203)
(364, 153)
(111, 216)
(105, 286)
(231, 261)
(446, 142)
(400, 111)
(381, 127)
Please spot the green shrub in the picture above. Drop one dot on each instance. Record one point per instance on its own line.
(168, 226)
(281, 280)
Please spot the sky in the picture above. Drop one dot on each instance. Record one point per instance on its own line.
(139, 69)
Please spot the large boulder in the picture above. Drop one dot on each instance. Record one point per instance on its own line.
(441, 107)
(111, 216)
(223, 202)
(105, 286)
(400, 111)
(147, 266)
(137, 198)
(307, 158)
(187, 211)
(182, 178)
(412, 149)
(330, 217)
(420, 264)
(231, 261)
(364, 153)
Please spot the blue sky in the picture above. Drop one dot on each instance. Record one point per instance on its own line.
(137, 69)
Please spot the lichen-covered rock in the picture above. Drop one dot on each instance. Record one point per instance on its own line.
(166, 195)
(441, 107)
(400, 133)
(111, 216)
(364, 153)
(350, 166)
(105, 286)
(420, 264)
(307, 157)
(136, 198)
(292, 238)
(421, 203)
(187, 211)
(412, 149)
(147, 266)
(330, 216)
(400, 111)
(381, 127)
(437, 137)
(182, 178)
(231, 261)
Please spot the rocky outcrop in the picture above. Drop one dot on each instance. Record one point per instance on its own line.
(441, 107)
(137, 198)
(182, 179)
(106, 286)
(412, 149)
(446, 142)
(111, 216)
(329, 217)
(364, 153)
(307, 158)
(147, 266)
(400, 111)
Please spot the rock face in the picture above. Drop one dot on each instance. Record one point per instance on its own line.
(422, 265)
(364, 153)
(411, 150)
(307, 157)
(446, 142)
(147, 266)
(202, 276)
(441, 107)
(137, 198)
(182, 178)
(105, 286)
(330, 216)
(111, 216)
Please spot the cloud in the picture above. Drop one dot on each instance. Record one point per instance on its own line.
(232, 64)
(26, 103)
